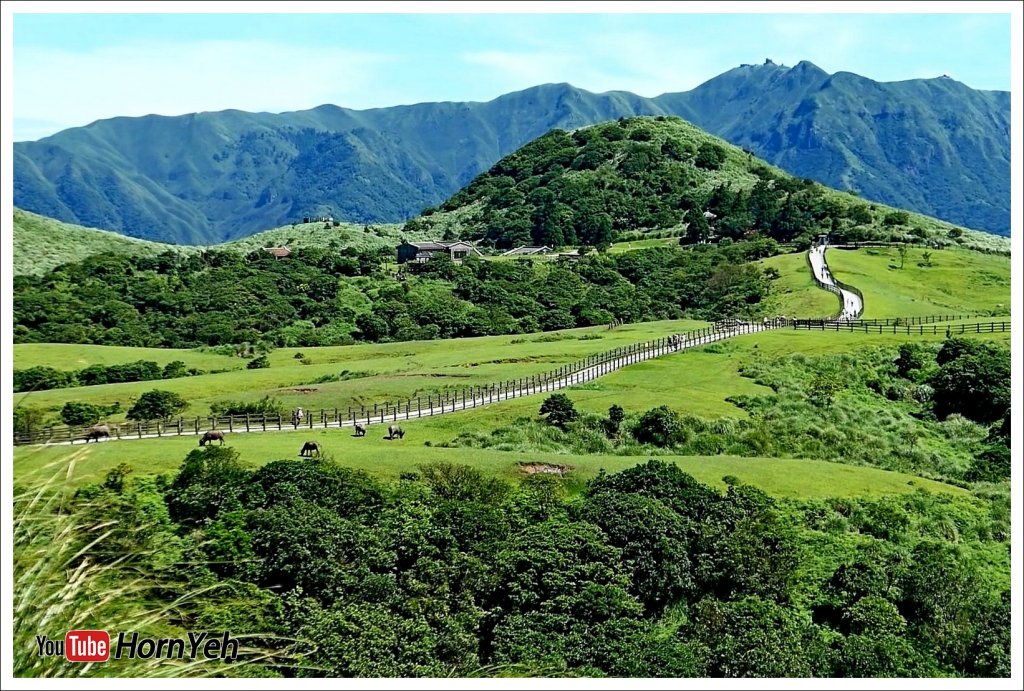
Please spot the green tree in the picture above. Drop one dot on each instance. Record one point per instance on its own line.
(697, 229)
(912, 359)
(28, 420)
(660, 426)
(877, 644)
(616, 416)
(758, 638)
(157, 405)
(860, 214)
(211, 482)
(75, 413)
(654, 541)
(559, 409)
(974, 383)
(896, 218)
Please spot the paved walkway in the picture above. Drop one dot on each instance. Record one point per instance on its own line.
(853, 306)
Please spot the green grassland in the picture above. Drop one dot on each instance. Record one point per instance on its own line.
(385, 459)
(41, 243)
(72, 356)
(369, 373)
(958, 281)
(794, 292)
(700, 381)
(696, 381)
(630, 245)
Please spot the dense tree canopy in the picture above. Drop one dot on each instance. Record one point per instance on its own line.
(647, 572)
(317, 298)
(640, 174)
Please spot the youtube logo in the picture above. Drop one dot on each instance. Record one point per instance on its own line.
(87, 646)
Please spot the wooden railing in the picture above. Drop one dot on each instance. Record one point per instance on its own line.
(447, 401)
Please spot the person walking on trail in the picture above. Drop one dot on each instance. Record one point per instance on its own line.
(297, 416)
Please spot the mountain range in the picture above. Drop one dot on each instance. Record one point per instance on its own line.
(934, 146)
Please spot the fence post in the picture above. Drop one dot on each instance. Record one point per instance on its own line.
(197, 425)
(279, 422)
(180, 421)
(247, 422)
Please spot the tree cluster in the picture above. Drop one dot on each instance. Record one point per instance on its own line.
(647, 573)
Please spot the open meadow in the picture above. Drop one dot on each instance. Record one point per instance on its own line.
(956, 281)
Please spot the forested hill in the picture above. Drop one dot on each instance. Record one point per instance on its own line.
(587, 186)
(932, 145)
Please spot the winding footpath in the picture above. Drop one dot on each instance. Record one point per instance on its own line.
(853, 307)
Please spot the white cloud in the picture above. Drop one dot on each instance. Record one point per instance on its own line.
(174, 78)
(626, 61)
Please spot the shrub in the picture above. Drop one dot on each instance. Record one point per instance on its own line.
(258, 363)
(264, 406)
(157, 405)
(660, 426)
(75, 413)
(28, 420)
(709, 156)
(559, 409)
(175, 369)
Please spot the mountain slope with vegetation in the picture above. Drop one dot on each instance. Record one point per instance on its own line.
(932, 145)
(588, 186)
(41, 243)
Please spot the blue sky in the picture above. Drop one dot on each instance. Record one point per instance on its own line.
(70, 70)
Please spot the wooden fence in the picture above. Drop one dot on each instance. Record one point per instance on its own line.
(910, 330)
(468, 397)
(448, 401)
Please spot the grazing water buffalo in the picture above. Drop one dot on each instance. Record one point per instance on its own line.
(395, 431)
(360, 430)
(211, 436)
(310, 449)
(96, 432)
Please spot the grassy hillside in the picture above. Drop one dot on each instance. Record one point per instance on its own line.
(386, 460)
(958, 281)
(327, 236)
(699, 382)
(362, 373)
(708, 383)
(658, 173)
(955, 282)
(41, 243)
(794, 292)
